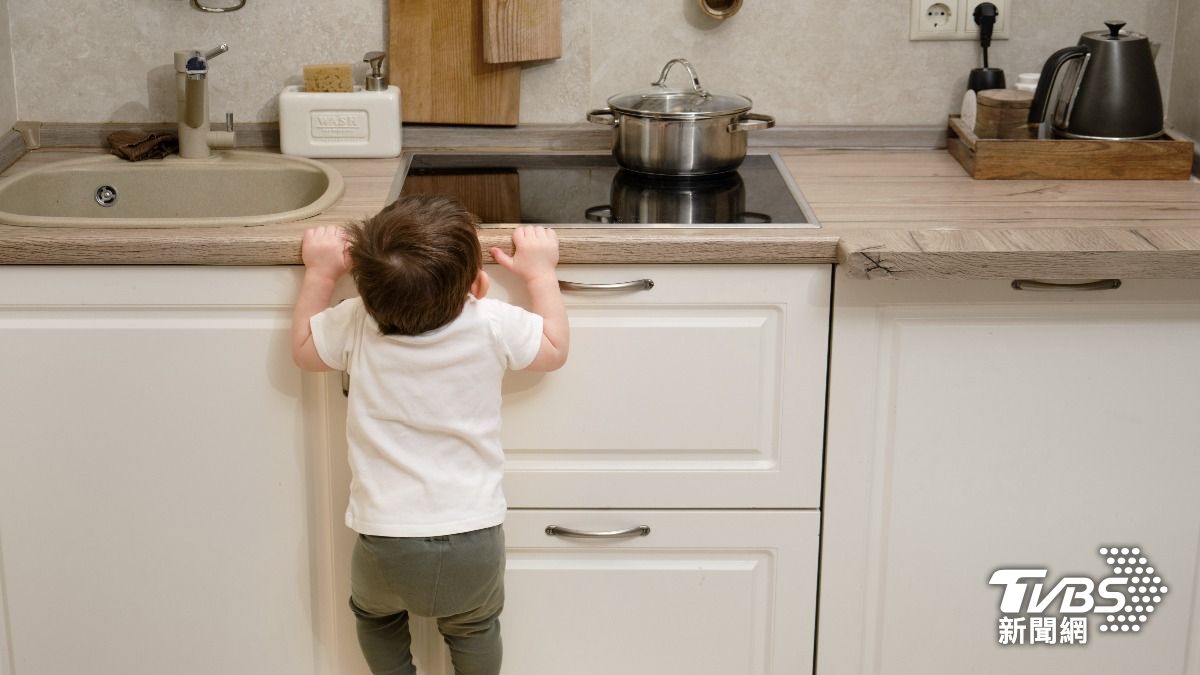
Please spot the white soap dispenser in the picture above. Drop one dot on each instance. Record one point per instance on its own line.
(364, 122)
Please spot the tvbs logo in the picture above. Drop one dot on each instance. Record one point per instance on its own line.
(1125, 599)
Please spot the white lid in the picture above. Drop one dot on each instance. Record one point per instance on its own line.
(1028, 78)
(968, 111)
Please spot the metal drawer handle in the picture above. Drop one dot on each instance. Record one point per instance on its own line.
(636, 284)
(1031, 285)
(217, 10)
(560, 531)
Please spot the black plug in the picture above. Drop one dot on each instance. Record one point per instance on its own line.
(985, 18)
(986, 77)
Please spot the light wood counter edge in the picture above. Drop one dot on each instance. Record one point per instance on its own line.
(1050, 253)
(280, 245)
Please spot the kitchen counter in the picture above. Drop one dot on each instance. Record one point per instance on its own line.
(884, 214)
(916, 214)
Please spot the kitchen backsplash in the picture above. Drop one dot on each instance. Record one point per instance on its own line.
(804, 61)
(1184, 107)
(8, 95)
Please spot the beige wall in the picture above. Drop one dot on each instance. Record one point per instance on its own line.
(1183, 112)
(806, 62)
(8, 92)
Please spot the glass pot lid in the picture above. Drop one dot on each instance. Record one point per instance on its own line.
(659, 100)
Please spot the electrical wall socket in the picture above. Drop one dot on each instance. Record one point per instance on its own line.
(934, 20)
(955, 20)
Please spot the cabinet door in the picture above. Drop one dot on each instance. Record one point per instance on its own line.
(154, 477)
(973, 427)
(704, 593)
(706, 390)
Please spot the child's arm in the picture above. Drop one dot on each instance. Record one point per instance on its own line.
(325, 261)
(535, 255)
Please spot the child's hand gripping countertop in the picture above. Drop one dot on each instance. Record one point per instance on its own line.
(535, 255)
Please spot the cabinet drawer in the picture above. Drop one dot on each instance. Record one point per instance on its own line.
(706, 390)
(704, 593)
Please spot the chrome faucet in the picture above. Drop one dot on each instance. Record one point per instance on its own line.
(191, 98)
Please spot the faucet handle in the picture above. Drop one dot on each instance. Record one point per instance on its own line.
(194, 62)
(216, 51)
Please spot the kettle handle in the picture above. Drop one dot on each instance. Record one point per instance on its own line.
(1050, 71)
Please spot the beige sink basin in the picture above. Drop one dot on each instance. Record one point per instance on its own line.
(231, 188)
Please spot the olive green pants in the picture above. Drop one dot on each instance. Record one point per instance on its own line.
(457, 579)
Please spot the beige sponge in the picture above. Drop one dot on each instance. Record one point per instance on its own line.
(328, 77)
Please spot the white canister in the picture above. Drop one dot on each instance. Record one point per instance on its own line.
(1028, 81)
(358, 123)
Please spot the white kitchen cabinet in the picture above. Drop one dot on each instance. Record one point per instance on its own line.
(704, 593)
(706, 390)
(974, 427)
(703, 392)
(157, 477)
(172, 486)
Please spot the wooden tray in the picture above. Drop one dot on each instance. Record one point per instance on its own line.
(1006, 159)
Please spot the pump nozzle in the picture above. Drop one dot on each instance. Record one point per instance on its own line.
(375, 79)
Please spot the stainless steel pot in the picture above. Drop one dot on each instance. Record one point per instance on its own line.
(679, 132)
(678, 200)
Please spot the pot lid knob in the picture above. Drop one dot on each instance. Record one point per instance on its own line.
(1114, 28)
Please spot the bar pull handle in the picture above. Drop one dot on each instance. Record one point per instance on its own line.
(636, 284)
(560, 531)
(218, 10)
(1032, 285)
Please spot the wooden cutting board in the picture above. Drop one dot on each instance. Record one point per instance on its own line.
(521, 30)
(435, 56)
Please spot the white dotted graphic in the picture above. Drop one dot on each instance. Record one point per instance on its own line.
(1146, 591)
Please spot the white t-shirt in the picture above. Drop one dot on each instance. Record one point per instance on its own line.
(423, 419)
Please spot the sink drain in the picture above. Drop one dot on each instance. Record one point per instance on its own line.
(106, 195)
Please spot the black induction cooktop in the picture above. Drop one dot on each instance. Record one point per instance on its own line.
(590, 190)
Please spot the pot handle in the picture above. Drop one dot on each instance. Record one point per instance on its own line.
(751, 122)
(603, 116)
(662, 78)
(599, 214)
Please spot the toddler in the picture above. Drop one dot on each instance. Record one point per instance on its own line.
(426, 351)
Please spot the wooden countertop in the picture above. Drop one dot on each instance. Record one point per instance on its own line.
(916, 214)
(893, 213)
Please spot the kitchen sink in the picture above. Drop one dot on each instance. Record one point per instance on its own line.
(231, 188)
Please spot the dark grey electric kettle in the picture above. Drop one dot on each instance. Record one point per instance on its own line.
(1107, 88)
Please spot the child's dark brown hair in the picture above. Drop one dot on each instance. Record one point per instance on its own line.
(414, 263)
